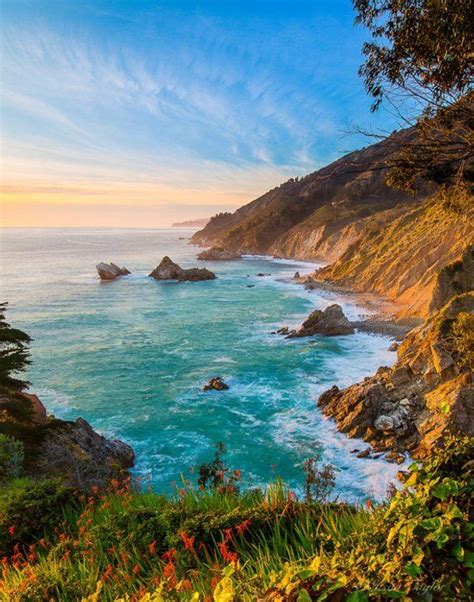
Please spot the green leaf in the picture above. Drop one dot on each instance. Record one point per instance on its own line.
(469, 560)
(306, 574)
(431, 524)
(303, 596)
(458, 552)
(454, 512)
(413, 570)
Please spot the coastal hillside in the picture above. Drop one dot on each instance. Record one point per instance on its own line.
(373, 237)
(319, 216)
(401, 253)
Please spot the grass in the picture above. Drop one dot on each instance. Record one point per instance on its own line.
(130, 544)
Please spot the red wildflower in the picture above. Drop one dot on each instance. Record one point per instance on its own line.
(136, 569)
(169, 555)
(152, 547)
(186, 585)
(369, 504)
(227, 555)
(227, 534)
(244, 525)
(11, 531)
(188, 541)
(107, 573)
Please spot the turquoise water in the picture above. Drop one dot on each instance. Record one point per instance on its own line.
(131, 356)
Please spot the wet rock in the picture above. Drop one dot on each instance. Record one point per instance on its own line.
(218, 254)
(168, 270)
(283, 330)
(364, 453)
(216, 384)
(394, 457)
(250, 285)
(297, 275)
(394, 347)
(261, 274)
(330, 322)
(110, 271)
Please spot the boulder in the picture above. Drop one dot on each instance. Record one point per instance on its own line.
(218, 254)
(216, 384)
(330, 322)
(168, 270)
(110, 271)
(297, 276)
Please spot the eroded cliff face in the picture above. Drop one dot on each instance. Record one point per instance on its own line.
(400, 254)
(427, 395)
(318, 216)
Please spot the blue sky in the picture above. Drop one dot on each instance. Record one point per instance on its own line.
(143, 113)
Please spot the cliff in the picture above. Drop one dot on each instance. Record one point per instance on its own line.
(71, 451)
(404, 256)
(318, 216)
(427, 395)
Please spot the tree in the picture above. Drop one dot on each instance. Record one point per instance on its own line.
(14, 352)
(420, 61)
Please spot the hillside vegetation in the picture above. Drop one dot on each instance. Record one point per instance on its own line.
(223, 545)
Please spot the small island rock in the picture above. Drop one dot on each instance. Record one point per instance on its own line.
(218, 254)
(110, 271)
(330, 322)
(216, 384)
(168, 270)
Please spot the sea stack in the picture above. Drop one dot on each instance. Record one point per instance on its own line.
(110, 271)
(330, 322)
(168, 270)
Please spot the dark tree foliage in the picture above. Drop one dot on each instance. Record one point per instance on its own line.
(14, 353)
(425, 47)
(422, 53)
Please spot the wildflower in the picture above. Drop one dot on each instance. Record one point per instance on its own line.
(369, 504)
(188, 541)
(42, 542)
(107, 573)
(227, 534)
(95, 489)
(186, 585)
(169, 555)
(244, 525)
(227, 555)
(152, 547)
(136, 569)
(11, 531)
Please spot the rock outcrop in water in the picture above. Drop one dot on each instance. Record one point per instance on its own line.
(168, 270)
(218, 254)
(110, 271)
(216, 384)
(425, 396)
(330, 322)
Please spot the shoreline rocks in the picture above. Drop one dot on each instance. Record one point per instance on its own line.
(110, 271)
(425, 396)
(168, 270)
(218, 254)
(330, 322)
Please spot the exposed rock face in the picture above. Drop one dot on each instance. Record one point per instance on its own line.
(168, 270)
(330, 322)
(426, 395)
(216, 384)
(218, 254)
(315, 217)
(72, 451)
(454, 279)
(110, 271)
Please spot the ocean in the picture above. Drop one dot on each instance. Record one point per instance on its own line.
(131, 356)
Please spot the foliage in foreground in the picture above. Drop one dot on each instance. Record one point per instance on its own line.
(225, 545)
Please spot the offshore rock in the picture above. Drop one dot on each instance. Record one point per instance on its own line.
(218, 254)
(168, 270)
(216, 384)
(110, 271)
(330, 322)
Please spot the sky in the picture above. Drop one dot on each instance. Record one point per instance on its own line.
(141, 113)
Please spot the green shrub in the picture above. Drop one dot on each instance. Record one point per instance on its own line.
(12, 454)
(30, 510)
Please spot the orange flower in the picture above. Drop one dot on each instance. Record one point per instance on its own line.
(152, 547)
(107, 573)
(244, 525)
(188, 541)
(11, 531)
(136, 569)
